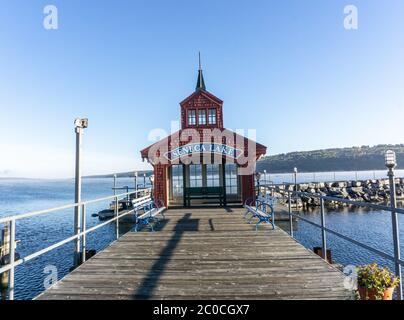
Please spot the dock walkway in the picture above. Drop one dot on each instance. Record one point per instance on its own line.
(208, 253)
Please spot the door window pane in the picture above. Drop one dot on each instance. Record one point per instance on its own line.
(177, 180)
(231, 179)
(195, 175)
(212, 175)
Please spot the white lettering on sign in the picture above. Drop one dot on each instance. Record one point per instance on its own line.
(190, 149)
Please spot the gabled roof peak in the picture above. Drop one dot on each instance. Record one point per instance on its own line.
(202, 93)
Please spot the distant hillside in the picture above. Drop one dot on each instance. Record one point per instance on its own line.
(343, 159)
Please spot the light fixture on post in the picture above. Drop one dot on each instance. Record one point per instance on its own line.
(144, 180)
(390, 159)
(79, 126)
(391, 163)
(265, 177)
(295, 176)
(151, 178)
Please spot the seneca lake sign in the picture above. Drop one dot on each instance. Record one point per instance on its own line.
(198, 148)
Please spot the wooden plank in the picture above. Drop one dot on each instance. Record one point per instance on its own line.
(203, 254)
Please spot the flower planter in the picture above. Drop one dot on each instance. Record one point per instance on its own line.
(371, 294)
(376, 283)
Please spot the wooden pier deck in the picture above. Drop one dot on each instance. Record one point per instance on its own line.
(203, 254)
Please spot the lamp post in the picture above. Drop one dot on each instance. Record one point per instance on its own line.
(151, 178)
(114, 184)
(144, 180)
(265, 177)
(79, 126)
(135, 176)
(258, 177)
(295, 175)
(391, 163)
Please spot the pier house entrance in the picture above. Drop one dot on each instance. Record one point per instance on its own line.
(204, 184)
(203, 163)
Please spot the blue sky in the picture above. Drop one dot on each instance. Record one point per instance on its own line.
(286, 68)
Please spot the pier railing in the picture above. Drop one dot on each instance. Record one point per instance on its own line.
(80, 231)
(396, 258)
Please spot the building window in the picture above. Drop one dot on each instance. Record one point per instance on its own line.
(177, 180)
(231, 179)
(195, 176)
(212, 175)
(202, 117)
(192, 117)
(212, 116)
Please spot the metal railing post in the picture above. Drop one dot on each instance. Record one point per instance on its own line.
(117, 216)
(396, 233)
(323, 232)
(290, 215)
(77, 230)
(12, 260)
(84, 239)
(136, 193)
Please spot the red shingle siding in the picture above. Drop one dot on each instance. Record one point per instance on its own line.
(202, 100)
(160, 183)
(247, 187)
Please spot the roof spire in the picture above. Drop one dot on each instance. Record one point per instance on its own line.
(201, 82)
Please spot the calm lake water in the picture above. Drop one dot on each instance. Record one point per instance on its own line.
(20, 196)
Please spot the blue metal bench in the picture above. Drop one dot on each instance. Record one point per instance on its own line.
(260, 209)
(151, 210)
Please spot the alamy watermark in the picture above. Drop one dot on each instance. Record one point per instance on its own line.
(351, 277)
(51, 276)
(51, 19)
(351, 17)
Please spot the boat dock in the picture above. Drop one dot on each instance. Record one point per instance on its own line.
(203, 253)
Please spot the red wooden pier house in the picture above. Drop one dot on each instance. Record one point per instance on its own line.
(203, 163)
